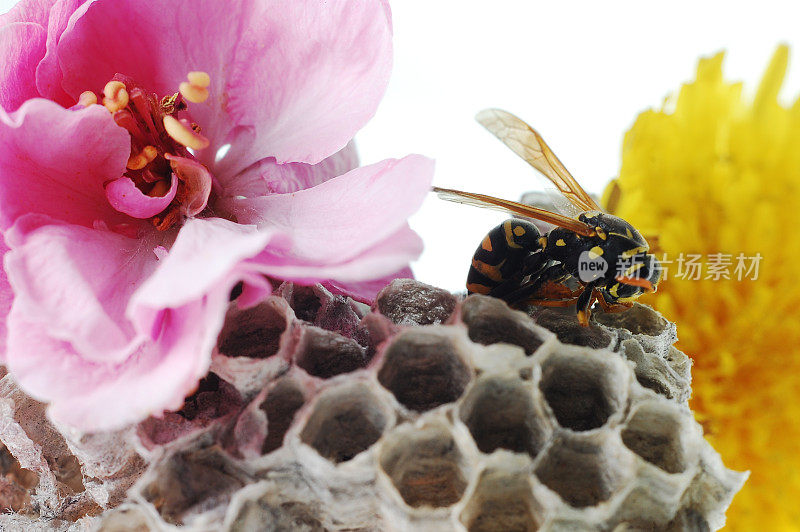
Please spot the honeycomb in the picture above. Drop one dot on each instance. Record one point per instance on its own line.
(428, 411)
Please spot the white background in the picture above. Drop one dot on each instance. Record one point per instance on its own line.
(578, 71)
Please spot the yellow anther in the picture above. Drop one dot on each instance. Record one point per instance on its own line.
(87, 98)
(115, 96)
(193, 93)
(184, 135)
(159, 189)
(195, 89)
(150, 152)
(199, 79)
(136, 162)
(142, 159)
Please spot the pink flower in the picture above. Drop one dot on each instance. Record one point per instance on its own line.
(130, 221)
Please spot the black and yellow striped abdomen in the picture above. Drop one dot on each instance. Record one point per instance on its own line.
(499, 258)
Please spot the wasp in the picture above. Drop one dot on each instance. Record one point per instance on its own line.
(589, 256)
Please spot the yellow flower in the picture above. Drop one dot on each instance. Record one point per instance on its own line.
(716, 172)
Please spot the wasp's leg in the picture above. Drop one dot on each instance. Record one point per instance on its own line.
(585, 301)
(552, 302)
(551, 273)
(611, 307)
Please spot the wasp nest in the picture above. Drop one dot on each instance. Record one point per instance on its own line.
(426, 412)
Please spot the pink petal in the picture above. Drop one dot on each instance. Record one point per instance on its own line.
(54, 162)
(92, 396)
(36, 11)
(378, 262)
(344, 216)
(77, 282)
(22, 45)
(294, 80)
(205, 252)
(197, 183)
(365, 291)
(48, 73)
(6, 298)
(268, 177)
(313, 84)
(123, 195)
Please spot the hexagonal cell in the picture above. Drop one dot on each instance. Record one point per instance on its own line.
(586, 471)
(565, 325)
(660, 375)
(425, 465)
(304, 300)
(127, 518)
(423, 369)
(688, 520)
(582, 389)
(280, 406)
(500, 414)
(490, 321)
(502, 502)
(345, 421)
(266, 513)
(254, 332)
(16, 483)
(324, 353)
(639, 319)
(192, 482)
(409, 302)
(318, 306)
(213, 400)
(658, 433)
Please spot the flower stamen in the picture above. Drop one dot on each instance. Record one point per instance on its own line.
(143, 158)
(87, 98)
(184, 134)
(162, 182)
(196, 89)
(115, 96)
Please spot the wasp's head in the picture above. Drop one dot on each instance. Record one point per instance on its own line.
(633, 278)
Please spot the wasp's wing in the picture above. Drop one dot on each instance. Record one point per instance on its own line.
(528, 144)
(489, 202)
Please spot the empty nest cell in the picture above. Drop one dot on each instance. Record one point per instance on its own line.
(502, 502)
(280, 406)
(271, 513)
(254, 332)
(344, 422)
(305, 301)
(657, 433)
(500, 414)
(585, 471)
(324, 353)
(582, 390)
(192, 482)
(16, 483)
(490, 321)
(425, 465)
(423, 369)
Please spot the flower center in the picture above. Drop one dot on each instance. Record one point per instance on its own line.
(163, 181)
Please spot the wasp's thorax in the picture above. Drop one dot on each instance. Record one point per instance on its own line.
(615, 229)
(635, 271)
(162, 182)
